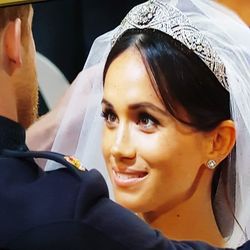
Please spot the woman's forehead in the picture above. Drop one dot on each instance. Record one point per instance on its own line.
(127, 80)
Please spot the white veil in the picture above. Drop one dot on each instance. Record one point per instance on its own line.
(80, 131)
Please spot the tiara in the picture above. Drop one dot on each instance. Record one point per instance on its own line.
(159, 15)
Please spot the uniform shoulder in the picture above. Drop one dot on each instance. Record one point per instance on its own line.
(69, 162)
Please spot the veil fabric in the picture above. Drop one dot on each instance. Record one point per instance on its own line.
(80, 131)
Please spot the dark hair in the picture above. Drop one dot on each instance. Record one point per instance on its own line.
(181, 78)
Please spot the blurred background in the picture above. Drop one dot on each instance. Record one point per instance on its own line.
(65, 29)
(242, 7)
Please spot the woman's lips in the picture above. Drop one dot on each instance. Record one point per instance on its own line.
(126, 179)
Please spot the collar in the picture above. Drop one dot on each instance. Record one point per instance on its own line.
(12, 134)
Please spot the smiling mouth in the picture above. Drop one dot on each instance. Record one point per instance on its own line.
(126, 179)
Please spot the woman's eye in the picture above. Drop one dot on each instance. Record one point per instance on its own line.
(110, 118)
(147, 122)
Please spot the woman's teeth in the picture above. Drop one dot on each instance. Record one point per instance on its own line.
(123, 176)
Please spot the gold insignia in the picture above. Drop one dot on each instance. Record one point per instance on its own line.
(75, 162)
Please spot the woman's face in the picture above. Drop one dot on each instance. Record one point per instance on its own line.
(152, 159)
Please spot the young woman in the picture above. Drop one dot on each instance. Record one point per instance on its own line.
(167, 136)
(176, 97)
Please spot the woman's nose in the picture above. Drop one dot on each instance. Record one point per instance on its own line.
(123, 146)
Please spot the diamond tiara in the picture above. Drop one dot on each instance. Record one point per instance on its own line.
(159, 15)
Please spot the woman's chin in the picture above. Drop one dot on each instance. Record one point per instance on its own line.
(130, 201)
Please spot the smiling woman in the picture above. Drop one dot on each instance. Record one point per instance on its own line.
(160, 134)
(173, 81)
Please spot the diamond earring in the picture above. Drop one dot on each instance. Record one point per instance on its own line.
(211, 164)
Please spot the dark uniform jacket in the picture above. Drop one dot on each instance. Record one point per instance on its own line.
(65, 208)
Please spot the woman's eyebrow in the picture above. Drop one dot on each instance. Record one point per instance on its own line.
(106, 103)
(136, 106)
(147, 105)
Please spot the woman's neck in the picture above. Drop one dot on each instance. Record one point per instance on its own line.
(191, 220)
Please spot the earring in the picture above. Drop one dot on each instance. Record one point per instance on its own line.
(211, 164)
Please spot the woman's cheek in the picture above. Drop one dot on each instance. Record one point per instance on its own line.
(153, 147)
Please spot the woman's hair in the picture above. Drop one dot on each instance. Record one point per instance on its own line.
(181, 79)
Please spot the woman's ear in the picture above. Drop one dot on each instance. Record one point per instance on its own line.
(12, 46)
(221, 141)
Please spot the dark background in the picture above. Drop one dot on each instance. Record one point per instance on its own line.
(65, 29)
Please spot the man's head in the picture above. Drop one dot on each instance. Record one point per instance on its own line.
(18, 82)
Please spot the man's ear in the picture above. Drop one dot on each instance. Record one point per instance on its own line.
(12, 46)
(222, 141)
